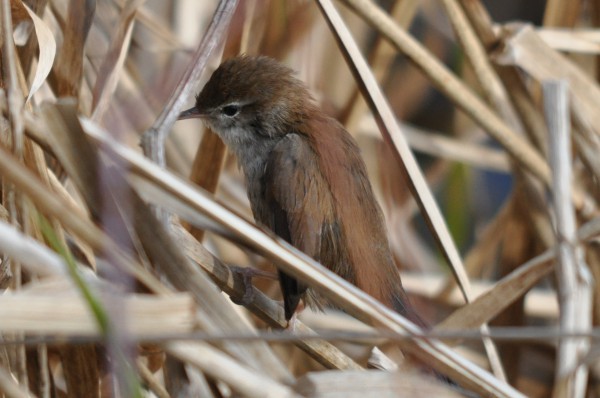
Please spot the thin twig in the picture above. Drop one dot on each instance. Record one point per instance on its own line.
(153, 140)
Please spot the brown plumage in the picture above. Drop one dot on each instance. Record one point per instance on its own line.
(305, 177)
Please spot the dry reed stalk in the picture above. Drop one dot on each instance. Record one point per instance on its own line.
(573, 275)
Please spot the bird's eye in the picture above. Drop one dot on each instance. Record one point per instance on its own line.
(230, 110)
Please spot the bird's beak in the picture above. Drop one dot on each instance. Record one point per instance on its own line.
(191, 113)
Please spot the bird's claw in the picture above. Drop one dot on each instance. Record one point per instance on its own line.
(247, 274)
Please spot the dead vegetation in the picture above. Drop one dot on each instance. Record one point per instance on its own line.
(116, 253)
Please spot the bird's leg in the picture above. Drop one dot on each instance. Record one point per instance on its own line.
(246, 275)
(291, 325)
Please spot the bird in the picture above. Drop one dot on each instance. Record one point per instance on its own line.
(305, 178)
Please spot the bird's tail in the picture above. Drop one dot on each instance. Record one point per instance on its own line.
(402, 305)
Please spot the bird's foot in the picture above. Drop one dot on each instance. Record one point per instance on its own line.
(247, 274)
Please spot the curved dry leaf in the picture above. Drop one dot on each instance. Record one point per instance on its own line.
(108, 76)
(47, 46)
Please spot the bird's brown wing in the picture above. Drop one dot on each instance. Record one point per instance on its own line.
(299, 206)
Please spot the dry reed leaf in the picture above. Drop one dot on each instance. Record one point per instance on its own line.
(578, 41)
(504, 293)
(47, 48)
(36, 258)
(381, 59)
(587, 146)
(493, 89)
(156, 26)
(441, 146)
(11, 80)
(81, 372)
(525, 49)
(372, 383)
(69, 63)
(487, 33)
(76, 155)
(561, 13)
(539, 303)
(486, 246)
(10, 386)
(154, 384)
(59, 309)
(241, 379)
(206, 168)
(108, 75)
